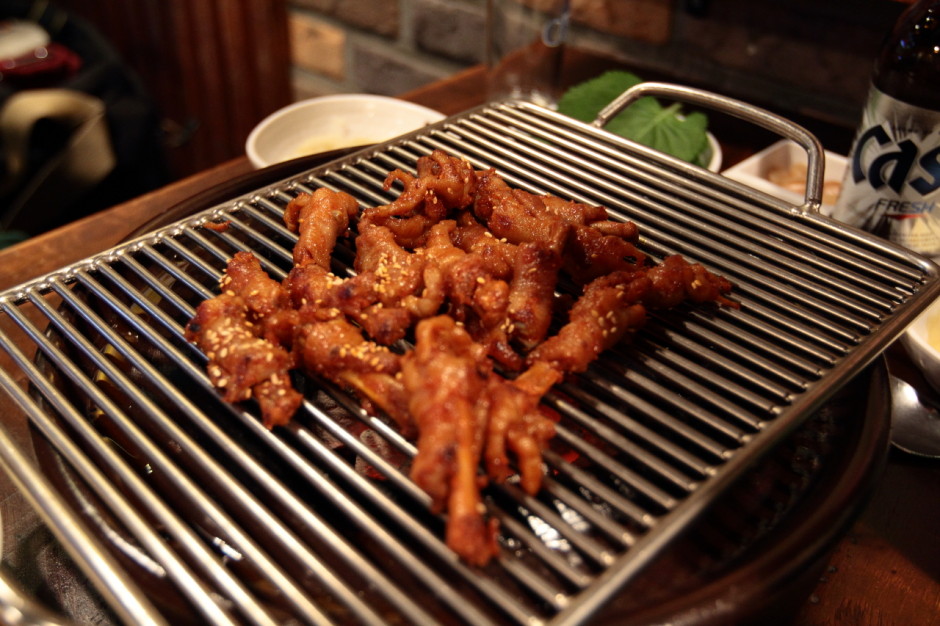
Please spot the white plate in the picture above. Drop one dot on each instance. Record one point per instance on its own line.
(780, 156)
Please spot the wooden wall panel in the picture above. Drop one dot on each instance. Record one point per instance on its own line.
(214, 67)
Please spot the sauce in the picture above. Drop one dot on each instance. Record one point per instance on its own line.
(933, 330)
(331, 142)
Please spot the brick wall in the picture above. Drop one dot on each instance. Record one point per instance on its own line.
(810, 56)
(388, 46)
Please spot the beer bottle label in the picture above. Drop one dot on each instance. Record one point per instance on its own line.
(892, 183)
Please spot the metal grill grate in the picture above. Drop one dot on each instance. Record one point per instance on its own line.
(224, 521)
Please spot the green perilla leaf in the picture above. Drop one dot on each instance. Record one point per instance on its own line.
(646, 121)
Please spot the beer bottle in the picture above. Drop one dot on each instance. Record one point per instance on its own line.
(892, 182)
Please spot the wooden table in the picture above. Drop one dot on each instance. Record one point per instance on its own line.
(887, 569)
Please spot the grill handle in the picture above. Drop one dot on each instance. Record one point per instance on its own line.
(760, 117)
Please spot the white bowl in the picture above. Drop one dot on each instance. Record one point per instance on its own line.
(333, 122)
(922, 341)
(714, 154)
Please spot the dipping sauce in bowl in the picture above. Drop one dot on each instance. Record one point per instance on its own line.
(332, 122)
(332, 142)
(933, 332)
(922, 341)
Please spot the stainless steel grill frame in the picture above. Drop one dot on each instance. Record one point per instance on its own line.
(246, 525)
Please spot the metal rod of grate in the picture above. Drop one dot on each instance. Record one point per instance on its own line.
(222, 519)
